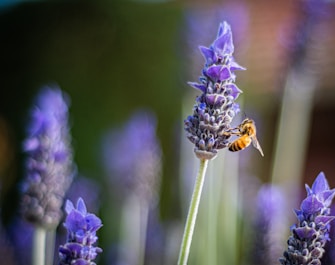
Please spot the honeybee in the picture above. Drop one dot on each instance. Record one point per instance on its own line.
(247, 133)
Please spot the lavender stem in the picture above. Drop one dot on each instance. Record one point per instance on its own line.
(192, 214)
(39, 245)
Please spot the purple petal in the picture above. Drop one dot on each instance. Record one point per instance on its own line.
(311, 205)
(71, 248)
(320, 184)
(222, 28)
(308, 190)
(208, 54)
(224, 42)
(326, 197)
(201, 87)
(305, 232)
(75, 221)
(324, 219)
(69, 206)
(218, 72)
(235, 66)
(235, 91)
(81, 207)
(299, 214)
(93, 222)
(215, 99)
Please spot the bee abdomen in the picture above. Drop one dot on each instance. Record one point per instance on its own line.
(236, 146)
(239, 144)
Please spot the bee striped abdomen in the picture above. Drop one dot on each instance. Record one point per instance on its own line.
(240, 143)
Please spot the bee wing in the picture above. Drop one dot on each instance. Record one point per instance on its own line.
(256, 144)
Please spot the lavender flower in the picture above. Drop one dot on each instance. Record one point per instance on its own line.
(309, 236)
(268, 225)
(215, 107)
(49, 166)
(137, 171)
(81, 235)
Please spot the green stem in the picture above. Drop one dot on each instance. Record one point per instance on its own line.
(39, 245)
(192, 214)
(50, 246)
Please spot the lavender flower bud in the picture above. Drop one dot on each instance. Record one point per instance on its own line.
(81, 235)
(309, 236)
(215, 107)
(49, 167)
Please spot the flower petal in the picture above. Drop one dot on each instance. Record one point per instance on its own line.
(218, 72)
(235, 91)
(326, 197)
(311, 205)
(215, 99)
(69, 206)
(324, 219)
(305, 232)
(81, 207)
(208, 54)
(201, 87)
(224, 42)
(320, 184)
(235, 66)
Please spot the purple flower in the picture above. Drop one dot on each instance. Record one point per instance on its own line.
(215, 107)
(309, 236)
(132, 156)
(268, 225)
(81, 235)
(49, 166)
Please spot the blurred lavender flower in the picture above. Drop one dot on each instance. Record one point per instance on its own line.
(309, 236)
(268, 225)
(81, 235)
(215, 107)
(132, 156)
(49, 166)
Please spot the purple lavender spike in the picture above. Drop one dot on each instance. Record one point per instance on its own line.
(137, 171)
(218, 88)
(49, 165)
(311, 233)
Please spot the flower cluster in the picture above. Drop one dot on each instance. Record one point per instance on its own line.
(49, 163)
(81, 235)
(309, 236)
(215, 107)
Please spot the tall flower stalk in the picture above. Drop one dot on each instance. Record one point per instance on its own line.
(213, 112)
(310, 234)
(49, 167)
(137, 174)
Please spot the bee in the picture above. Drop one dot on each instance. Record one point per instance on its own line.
(247, 133)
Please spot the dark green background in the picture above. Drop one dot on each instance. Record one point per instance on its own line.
(111, 58)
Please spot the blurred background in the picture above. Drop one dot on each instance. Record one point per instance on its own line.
(114, 58)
